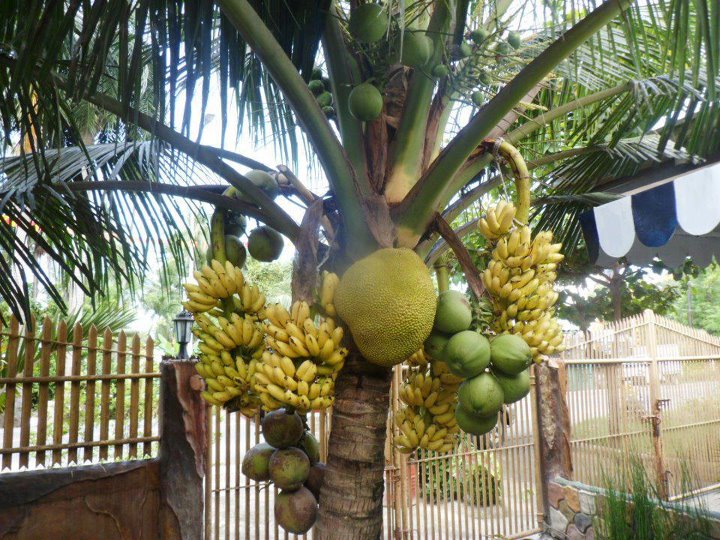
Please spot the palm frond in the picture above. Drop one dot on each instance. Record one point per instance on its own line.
(92, 235)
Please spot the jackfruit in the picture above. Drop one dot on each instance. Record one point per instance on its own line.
(388, 302)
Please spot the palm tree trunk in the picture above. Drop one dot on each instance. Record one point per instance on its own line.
(351, 500)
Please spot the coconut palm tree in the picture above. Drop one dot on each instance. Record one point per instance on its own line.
(587, 90)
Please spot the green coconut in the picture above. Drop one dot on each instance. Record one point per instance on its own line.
(417, 49)
(365, 102)
(467, 353)
(282, 429)
(435, 345)
(296, 511)
(440, 71)
(289, 468)
(479, 35)
(453, 313)
(368, 23)
(510, 354)
(514, 387)
(316, 87)
(255, 463)
(325, 99)
(265, 244)
(472, 423)
(481, 395)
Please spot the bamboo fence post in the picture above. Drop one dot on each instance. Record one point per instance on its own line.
(105, 392)
(655, 402)
(120, 394)
(90, 394)
(148, 399)
(59, 412)
(75, 392)
(134, 394)
(26, 405)
(43, 392)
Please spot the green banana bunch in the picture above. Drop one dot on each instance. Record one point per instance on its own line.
(520, 278)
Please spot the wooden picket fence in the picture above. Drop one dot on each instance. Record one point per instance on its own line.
(72, 397)
(487, 488)
(645, 390)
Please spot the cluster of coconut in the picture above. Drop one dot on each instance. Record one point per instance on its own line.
(289, 458)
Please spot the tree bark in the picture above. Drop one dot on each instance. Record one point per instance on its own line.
(351, 499)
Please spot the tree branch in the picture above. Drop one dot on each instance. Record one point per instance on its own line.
(471, 273)
(418, 207)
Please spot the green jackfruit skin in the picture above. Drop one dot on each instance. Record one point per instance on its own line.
(388, 302)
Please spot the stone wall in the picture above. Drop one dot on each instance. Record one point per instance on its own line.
(571, 510)
(574, 512)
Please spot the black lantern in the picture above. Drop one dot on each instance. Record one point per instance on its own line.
(183, 331)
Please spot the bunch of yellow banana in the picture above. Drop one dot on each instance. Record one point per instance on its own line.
(279, 382)
(427, 418)
(519, 278)
(235, 332)
(294, 334)
(327, 292)
(214, 281)
(418, 359)
(417, 430)
(497, 221)
(226, 310)
(304, 358)
(227, 378)
(218, 281)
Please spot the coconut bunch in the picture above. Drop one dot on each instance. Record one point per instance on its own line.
(289, 458)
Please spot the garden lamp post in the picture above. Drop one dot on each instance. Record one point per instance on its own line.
(183, 331)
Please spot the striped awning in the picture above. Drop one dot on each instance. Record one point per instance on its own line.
(677, 219)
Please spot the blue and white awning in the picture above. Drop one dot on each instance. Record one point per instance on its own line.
(677, 219)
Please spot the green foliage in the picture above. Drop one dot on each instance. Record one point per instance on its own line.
(458, 478)
(641, 515)
(632, 290)
(697, 304)
(272, 278)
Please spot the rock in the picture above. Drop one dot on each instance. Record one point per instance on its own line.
(587, 503)
(573, 534)
(566, 510)
(572, 498)
(582, 522)
(556, 493)
(557, 520)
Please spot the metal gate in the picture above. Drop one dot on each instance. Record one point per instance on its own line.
(487, 488)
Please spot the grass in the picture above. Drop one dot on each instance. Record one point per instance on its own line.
(641, 515)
